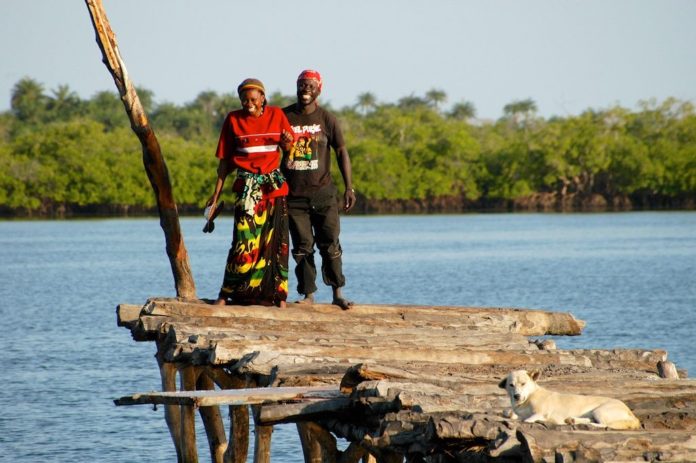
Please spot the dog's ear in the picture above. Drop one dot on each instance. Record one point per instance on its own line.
(503, 384)
(536, 374)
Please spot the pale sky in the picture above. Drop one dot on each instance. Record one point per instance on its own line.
(567, 56)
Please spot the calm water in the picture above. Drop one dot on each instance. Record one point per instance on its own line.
(630, 276)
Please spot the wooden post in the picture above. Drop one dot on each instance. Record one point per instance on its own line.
(238, 442)
(212, 421)
(153, 161)
(262, 439)
(318, 445)
(188, 376)
(353, 454)
(172, 413)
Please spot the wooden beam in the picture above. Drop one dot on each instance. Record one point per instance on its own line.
(251, 396)
(528, 322)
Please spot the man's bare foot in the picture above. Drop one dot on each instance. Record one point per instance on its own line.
(282, 304)
(308, 300)
(220, 301)
(343, 303)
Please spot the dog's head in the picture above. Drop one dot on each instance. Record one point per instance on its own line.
(519, 385)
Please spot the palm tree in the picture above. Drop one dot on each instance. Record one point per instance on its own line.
(527, 106)
(412, 102)
(366, 102)
(435, 97)
(520, 110)
(464, 110)
(28, 101)
(207, 102)
(64, 103)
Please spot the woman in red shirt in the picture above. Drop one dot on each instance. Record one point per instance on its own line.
(250, 143)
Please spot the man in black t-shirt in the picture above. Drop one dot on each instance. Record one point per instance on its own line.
(312, 205)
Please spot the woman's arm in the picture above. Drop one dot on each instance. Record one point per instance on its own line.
(222, 171)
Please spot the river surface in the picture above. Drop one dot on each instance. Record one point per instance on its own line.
(630, 276)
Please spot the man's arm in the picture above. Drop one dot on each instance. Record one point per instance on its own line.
(347, 173)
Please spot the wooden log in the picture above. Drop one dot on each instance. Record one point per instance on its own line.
(304, 410)
(527, 322)
(352, 454)
(172, 413)
(238, 442)
(251, 396)
(321, 334)
(318, 445)
(543, 445)
(212, 422)
(667, 370)
(127, 315)
(263, 357)
(188, 376)
(262, 439)
(153, 161)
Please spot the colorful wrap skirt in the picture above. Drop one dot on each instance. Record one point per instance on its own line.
(256, 272)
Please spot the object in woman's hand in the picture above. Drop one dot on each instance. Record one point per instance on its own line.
(210, 217)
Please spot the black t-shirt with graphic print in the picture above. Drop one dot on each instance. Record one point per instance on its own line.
(307, 166)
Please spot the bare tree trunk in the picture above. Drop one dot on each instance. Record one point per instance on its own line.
(153, 161)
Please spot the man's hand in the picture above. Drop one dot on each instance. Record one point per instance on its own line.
(348, 199)
(286, 140)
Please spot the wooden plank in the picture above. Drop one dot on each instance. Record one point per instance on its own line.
(228, 396)
(541, 445)
(127, 315)
(528, 322)
(263, 357)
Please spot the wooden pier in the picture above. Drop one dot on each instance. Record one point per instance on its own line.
(400, 383)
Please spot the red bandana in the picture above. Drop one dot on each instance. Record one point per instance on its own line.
(310, 74)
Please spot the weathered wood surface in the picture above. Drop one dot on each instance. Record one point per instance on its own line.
(406, 381)
(208, 398)
(491, 320)
(544, 445)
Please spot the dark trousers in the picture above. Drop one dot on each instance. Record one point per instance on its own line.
(315, 222)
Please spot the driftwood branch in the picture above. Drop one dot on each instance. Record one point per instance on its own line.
(153, 161)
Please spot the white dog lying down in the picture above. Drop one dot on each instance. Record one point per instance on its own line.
(532, 403)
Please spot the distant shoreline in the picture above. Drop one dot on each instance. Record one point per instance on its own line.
(540, 202)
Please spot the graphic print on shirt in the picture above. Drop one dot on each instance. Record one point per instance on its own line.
(304, 153)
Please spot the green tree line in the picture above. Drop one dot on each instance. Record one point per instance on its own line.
(60, 153)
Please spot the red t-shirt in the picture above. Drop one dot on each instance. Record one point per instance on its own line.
(252, 143)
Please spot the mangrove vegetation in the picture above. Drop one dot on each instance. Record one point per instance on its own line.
(63, 155)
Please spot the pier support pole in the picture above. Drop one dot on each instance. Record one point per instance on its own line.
(212, 421)
(188, 376)
(172, 413)
(238, 444)
(262, 439)
(238, 441)
(318, 445)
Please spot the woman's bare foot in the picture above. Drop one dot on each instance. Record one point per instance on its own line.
(220, 301)
(282, 304)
